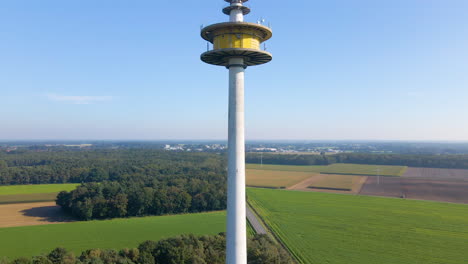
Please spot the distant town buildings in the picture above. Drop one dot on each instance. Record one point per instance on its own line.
(264, 150)
(195, 148)
(251, 148)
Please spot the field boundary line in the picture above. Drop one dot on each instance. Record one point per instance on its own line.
(357, 174)
(266, 187)
(23, 202)
(412, 199)
(329, 188)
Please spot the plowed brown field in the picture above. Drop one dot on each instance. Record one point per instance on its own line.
(445, 185)
(437, 174)
(25, 214)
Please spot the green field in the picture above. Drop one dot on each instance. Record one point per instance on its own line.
(359, 169)
(37, 188)
(313, 168)
(27, 198)
(337, 168)
(32, 193)
(336, 228)
(116, 234)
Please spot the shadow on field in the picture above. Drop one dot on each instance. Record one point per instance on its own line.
(52, 214)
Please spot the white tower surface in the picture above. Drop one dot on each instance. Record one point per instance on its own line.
(236, 45)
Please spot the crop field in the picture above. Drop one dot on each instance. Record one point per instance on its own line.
(448, 185)
(106, 234)
(418, 188)
(26, 214)
(437, 174)
(368, 170)
(275, 179)
(38, 188)
(335, 228)
(27, 198)
(337, 168)
(337, 182)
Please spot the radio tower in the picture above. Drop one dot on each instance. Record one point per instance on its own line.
(236, 45)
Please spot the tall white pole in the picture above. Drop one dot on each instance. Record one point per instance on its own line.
(236, 239)
(378, 176)
(236, 219)
(261, 159)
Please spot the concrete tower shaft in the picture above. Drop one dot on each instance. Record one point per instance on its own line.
(236, 239)
(236, 226)
(236, 45)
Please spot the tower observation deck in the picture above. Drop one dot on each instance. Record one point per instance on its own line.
(236, 45)
(236, 39)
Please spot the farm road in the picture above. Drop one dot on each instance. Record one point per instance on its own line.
(259, 229)
(305, 183)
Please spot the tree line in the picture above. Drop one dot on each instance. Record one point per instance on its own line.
(97, 165)
(428, 161)
(185, 249)
(139, 198)
(32, 167)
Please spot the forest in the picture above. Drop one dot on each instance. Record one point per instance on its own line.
(79, 166)
(138, 198)
(141, 182)
(25, 166)
(428, 161)
(122, 183)
(185, 249)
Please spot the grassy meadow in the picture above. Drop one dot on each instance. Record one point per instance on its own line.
(336, 228)
(336, 168)
(106, 234)
(275, 179)
(27, 198)
(32, 193)
(37, 188)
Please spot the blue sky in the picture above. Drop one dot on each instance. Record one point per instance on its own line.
(107, 69)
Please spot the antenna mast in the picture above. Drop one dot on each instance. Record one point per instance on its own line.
(236, 45)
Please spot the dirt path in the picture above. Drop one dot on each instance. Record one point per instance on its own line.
(26, 214)
(357, 188)
(307, 182)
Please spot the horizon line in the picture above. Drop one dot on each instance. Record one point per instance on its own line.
(248, 140)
